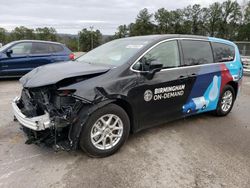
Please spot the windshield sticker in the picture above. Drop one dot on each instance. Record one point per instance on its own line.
(134, 46)
(164, 93)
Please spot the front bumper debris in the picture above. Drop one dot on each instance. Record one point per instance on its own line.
(38, 123)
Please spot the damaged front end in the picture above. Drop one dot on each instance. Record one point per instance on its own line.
(47, 115)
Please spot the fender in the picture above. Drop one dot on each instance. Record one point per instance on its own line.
(83, 115)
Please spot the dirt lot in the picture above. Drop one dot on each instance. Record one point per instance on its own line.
(200, 151)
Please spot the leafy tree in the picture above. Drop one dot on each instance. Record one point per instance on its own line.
(214, 18)
(231, 17)
(143, 24)
(3, 36)
(46, 33)
(123, 31)
(247, 13)
(163, 18)
(21, 33)
(70, 41)
(177, 22)
(244, 31)
(195, 17)
(89, 39)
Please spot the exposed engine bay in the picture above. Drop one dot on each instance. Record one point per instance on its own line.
(62, 109)
(49, 111)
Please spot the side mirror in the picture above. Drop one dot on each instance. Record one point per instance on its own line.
(153, 67)
(9, 52)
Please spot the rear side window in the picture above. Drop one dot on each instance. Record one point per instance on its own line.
(223, 52)
(54, 48)
(196, 52)
(40, 48)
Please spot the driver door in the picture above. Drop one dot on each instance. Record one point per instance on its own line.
(161, 98)
(17, 62)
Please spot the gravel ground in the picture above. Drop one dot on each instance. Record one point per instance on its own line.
(200, 151)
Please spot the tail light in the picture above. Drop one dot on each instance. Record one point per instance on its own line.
(71, 56)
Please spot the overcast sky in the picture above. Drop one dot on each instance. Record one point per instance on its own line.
(70, 16)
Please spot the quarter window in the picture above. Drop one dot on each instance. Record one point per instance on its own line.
(197, 52)
(22, 48)
(54, 48)
(223, 52)
(166, 53)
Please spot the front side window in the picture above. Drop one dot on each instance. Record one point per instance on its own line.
(223, 52)
(166, 53)
(196, 52)
(21, 48)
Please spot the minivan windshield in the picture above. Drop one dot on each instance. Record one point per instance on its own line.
(114, 53)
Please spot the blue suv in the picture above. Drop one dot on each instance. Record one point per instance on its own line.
(19, 57)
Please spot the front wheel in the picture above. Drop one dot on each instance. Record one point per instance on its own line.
(226, 101)
(105, 132)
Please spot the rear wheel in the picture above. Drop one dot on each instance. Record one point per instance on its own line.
(226, 101)
(105, 132)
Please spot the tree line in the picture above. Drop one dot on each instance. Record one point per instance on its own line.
(84, 41)
(228, 20)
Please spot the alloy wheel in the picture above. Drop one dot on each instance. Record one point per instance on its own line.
(106, 131)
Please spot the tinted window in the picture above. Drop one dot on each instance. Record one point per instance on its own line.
(197, 52)
(166, 53)
(54, 48)
(21, 48)
(223, 52)
(40, 48)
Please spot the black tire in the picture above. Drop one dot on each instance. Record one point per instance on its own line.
(219, 111)
(85, 139)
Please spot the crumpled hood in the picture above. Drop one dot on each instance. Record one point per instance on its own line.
(53, 73)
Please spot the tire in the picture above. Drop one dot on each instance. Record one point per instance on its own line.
(222, 110)
(112, 137)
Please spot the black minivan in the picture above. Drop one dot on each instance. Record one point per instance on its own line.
(19, 57)
(125, 86)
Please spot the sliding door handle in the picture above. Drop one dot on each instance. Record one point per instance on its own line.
(192, 75)
(182, 77)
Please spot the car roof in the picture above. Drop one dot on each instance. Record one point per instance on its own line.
(42, 41)
(168, 36)
(157, 38)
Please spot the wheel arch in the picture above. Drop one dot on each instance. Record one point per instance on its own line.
(125, 105)
(234, 85)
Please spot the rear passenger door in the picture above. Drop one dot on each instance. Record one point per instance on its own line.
(40, 54)
(204, 73)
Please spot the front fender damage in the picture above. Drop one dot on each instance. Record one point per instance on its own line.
(84, 114)
(67, 115)
(88, 107)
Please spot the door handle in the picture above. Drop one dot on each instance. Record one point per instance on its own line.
(192, 75)
(182, 77)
